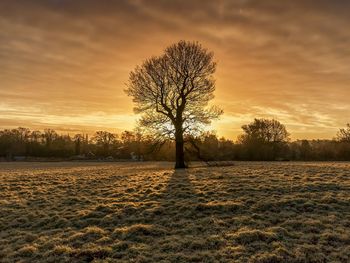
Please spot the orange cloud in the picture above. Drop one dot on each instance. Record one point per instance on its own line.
(64, 63)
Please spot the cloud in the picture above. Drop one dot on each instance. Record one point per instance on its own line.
(287, 60)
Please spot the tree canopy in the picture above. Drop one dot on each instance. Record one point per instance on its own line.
(264, 139)
(172, 92)
(265, 130)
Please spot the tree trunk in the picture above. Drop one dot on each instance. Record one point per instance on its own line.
(180, 155)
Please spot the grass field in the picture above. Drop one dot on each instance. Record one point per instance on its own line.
(132, 212)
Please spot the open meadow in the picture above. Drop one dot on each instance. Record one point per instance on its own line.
(147, 212)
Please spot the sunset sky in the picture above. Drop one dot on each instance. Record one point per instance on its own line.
(64, 64)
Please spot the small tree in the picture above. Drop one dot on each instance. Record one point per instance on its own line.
(49, 136)
(343, 135)
(172, 91)
(264, 138)
(78, 141)
(105, 140)
(264, 130)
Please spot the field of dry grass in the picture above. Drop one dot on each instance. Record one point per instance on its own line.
(132, 212)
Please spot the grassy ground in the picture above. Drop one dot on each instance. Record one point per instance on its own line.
(252, 212)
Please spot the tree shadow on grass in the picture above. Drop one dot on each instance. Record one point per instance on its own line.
(179, 188)
(179, 200)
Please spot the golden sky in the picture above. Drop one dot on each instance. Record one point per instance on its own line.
(64, 64)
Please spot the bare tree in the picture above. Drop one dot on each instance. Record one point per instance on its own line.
(104, 139)
(172, 91)
(78, 140)
(343, 135)
(49, 136)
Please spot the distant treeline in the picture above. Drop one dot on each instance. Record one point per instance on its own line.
(263, 139)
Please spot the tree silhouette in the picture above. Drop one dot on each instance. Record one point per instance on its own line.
(172, 91)
(105, 140)
(265, 130)
(49, 136)
(264, 139)
(78, 139)
(343, 135)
